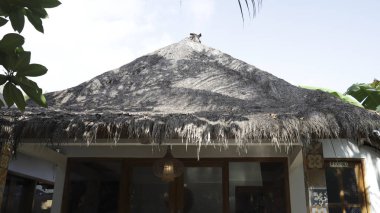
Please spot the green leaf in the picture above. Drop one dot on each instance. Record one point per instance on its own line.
(375, 84)
(344, 97)
(3, 79)
(17, 20)
(7, 94)
(49, 3)
(367, 94)
(36, 95)
(10, 41)
(3, 21)
(23, 60)
(34, 70)
(2, 10)
(40, 12)
(31, 89)
(35, 21)
(18, 97)
(23, 81)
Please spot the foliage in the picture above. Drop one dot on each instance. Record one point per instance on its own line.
(14, 59)
(344, 97)
(367, 94)
(256, 4)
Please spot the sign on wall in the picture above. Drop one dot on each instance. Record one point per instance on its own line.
(318, 200)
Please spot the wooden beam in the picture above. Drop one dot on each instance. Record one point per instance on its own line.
(5, 156)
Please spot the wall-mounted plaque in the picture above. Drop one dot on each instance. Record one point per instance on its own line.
(318, 197)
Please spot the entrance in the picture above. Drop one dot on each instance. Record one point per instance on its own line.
(246, 185)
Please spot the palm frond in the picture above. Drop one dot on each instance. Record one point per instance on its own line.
(255, 5)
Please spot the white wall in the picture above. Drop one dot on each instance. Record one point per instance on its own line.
(33, 167)
(347, 149)
(59, 188)
(297, 185)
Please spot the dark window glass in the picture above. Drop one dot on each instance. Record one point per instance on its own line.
(350, 186)
(333, 188)
(256, 187)
(343, 187)
(94, 186)
(335, 210)
(353, 210)
(148, 193)
(203, 190)
(18, 195)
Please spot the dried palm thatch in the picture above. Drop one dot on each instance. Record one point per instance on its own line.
(192, 92)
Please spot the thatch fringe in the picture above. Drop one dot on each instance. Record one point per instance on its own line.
(285, 130)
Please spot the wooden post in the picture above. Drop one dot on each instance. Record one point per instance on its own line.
(5, 156)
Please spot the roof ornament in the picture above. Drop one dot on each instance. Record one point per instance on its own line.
(194, 37)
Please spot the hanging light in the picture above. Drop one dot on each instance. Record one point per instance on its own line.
(168, 168)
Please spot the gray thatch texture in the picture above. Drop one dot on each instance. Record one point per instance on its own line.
(191, 91)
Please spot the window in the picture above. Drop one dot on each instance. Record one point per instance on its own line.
(25, 194)
(209, 185)
(345, 187)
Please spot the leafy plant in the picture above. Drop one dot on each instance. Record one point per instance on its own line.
(256, 4)
(367, 94)
(14, 59)
(344, 97)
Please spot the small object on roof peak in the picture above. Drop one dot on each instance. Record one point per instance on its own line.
(195, 37)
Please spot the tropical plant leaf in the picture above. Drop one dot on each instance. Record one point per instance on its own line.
(256, 4)
(40, 12)
(35, 21)
(346, 98)
(246, 3)
(3, 21)
(34, 70)
(17, 20)
(35, 94)
(31, 89)
(10, 42)
(241, 11)
(3, 79)
(23, 60)
(7, 94)
(49, 3)
(367, 94)
(17, 97)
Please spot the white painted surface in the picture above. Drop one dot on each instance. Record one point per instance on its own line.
(347, 149)
(58, 188)
(33, 167)
(179, 151)
(297, 185)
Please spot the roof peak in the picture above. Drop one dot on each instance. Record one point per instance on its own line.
(195, 37)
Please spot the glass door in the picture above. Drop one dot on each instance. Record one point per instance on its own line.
(149, 193)
(199, 189)
(202, 190)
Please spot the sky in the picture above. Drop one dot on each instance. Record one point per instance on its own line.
(324, 43)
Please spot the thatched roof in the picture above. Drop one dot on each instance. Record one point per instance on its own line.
(193, 92)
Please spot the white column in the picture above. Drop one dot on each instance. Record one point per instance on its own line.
(297, 185)
(59, 185)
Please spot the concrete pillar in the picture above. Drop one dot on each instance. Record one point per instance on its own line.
(59, 186)
(297, 184)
